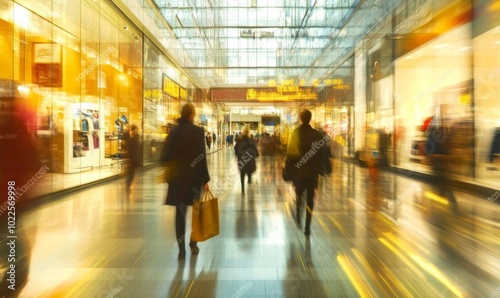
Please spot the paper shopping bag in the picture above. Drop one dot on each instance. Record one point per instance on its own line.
(205, 219)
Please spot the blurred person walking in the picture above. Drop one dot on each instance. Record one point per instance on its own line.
(246, 152)
(20, 171)
(208, 139)
(306, 159)
(133, 147)
(184, 153)
(438, 150)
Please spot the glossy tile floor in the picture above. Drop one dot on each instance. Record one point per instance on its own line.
(372, 235)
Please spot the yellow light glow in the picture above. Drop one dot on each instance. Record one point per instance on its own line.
(436, 198)
(357, 282)
(21, 16)
(432, 270)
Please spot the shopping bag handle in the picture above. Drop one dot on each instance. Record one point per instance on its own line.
(206, 196)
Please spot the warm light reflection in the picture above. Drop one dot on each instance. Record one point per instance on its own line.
(21, 16)
(431, 269)
(436, 198)
(354, 276)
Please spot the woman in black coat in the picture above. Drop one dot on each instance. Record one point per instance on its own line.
(185, 155)
(246, 152)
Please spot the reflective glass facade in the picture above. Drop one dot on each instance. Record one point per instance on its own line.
(90, 69)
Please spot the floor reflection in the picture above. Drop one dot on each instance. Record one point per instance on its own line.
(385, 236)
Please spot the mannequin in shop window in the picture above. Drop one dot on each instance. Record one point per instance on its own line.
(120, 125)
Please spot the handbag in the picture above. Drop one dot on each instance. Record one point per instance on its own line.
(165, 174)
(326, 166)
(168, 172)
(288, 171)
(205, 217)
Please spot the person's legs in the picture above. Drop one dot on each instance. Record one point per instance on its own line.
(249, 177)
(310, 207)
(194, 247)
(130, 178)
(442, 183)
(242, 178)
(299, 190)
(180, 228)
(447, 192)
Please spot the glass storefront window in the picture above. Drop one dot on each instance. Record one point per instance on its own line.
(77, 83)
(435, 81)
(487, 106)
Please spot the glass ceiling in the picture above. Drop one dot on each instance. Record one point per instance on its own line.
(230, 43)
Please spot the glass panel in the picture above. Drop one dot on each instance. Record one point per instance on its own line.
(487, 105)
(304, 33)
(435, 81)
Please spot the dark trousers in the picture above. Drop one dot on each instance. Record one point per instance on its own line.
(180, 226)
(441, 181)
(130, 177)
(242, 178)
(300, 187)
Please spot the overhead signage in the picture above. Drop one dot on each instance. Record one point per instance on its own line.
(183, 93)
(281, 93)
(152, 93)
(170, 87)
(272, 94)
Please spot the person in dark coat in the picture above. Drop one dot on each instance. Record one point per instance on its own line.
(495, 145)
(184, 152)
(133, 146)
(21, 173)
(246, 152)
(438, 150)
(208, 139)
(304, 158)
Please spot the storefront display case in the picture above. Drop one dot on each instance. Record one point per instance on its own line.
(82, 138)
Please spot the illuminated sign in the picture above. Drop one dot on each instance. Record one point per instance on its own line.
(152, 93)
(337, 84)
(228, 95)
(170, 87)
(279, 93)
(46, 53)
(183, 94)
(333, 82)
(291, 82)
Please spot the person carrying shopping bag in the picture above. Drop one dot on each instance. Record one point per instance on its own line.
(185, 155)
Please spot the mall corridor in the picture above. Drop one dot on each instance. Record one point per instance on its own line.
(386, 238)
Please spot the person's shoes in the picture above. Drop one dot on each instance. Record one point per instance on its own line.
(194, 248)
(181, 255)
